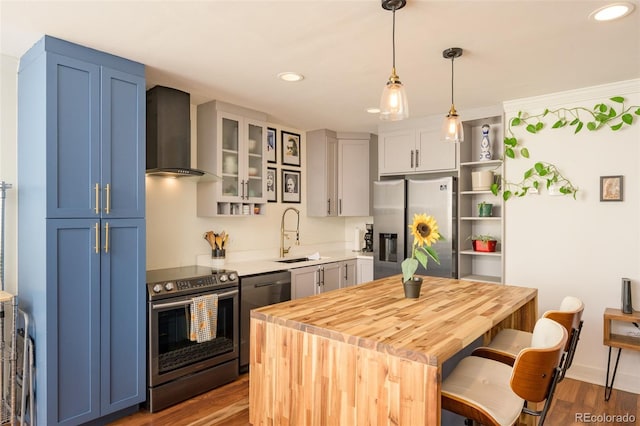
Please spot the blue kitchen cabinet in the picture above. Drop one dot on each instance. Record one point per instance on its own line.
(81, 230)
(93, 125)
(94, 272)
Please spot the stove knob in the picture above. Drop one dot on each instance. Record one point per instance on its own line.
(233, 276)
(157, 288)
(168, 286)
(223, 278)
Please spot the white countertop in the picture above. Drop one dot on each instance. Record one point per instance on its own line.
(261, 266)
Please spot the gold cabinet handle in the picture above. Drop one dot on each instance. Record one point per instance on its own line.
(97, 246)
(106, 237)
(97, 189)
(107, 209)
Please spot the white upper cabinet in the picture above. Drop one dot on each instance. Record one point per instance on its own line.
(397, 152)
(339, 173)
(414, 147)
(231, 144)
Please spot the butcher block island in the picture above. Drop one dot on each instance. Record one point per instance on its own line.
(366, 355)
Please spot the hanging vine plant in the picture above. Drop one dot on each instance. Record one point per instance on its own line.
(542, 173)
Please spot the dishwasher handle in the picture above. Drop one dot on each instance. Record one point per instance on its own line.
(277, 282)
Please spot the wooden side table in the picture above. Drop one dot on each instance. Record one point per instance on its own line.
(618, 341)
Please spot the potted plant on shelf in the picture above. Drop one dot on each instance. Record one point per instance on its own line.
(485, 209)
(484, 243)
(425, 233)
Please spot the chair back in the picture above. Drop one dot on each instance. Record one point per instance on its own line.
(568, 315)
(535, 368)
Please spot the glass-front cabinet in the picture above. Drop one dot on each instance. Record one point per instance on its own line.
(232, 146)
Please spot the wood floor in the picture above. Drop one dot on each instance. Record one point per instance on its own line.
(229, 406)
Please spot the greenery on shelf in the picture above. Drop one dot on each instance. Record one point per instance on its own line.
(602, 115)
(483, 238)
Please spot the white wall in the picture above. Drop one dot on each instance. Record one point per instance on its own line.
(580, 247)
(8, 165)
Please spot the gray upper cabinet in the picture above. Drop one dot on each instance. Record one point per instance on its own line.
(340, 173)
(322, 172)
(232, 143)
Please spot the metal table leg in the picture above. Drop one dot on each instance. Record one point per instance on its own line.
(609, 386)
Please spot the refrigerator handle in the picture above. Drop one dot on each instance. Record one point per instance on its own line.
(412, 159)
(417, 159)
(340, 206)
(328, 206)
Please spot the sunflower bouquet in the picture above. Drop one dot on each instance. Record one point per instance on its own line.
(425, 233)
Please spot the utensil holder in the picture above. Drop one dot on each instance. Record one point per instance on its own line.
(217, 258)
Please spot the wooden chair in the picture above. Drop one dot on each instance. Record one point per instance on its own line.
(508, 342)
(494, 393)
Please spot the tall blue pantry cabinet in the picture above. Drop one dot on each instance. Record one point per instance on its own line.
(81, 229)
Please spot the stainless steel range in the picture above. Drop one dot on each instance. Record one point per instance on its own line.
(179, 368)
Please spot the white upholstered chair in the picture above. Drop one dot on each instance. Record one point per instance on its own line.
(508, 342)
(494, 393)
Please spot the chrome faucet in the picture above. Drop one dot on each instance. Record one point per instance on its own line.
(283, 231)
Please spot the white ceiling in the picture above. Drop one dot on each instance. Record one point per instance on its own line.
(232, 50)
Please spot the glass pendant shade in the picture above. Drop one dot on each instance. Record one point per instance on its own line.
(393, 102)
(452, 130)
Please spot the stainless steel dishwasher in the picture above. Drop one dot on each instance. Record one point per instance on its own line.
(257, 291)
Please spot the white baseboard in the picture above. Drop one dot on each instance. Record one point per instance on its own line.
(623, 381)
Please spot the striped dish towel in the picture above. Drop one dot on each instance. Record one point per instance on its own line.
(204, 318)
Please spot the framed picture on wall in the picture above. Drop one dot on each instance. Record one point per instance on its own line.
(271, 145)
(290, 148)
(290, 186)
(272, 185)
(611, 188)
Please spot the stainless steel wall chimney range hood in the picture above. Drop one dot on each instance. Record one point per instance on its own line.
(169, 134)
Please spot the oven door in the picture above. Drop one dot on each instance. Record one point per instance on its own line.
(172, 355)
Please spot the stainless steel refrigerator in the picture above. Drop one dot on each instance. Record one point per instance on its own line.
(394, 204)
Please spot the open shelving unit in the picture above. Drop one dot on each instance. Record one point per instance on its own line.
(476, 265)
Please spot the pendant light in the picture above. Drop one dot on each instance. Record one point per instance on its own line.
(393, 103)
(452, 130)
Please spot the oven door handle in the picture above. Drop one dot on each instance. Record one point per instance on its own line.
(188, 302)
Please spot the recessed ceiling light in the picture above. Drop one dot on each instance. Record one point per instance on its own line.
(612, 11)
(290, 76)
(373, 110)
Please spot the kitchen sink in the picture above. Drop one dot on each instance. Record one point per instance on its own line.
(293, 260)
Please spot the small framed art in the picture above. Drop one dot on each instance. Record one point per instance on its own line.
(290, 186)
(611, 188)
(290, 148)
(271, 145)
(272, 185)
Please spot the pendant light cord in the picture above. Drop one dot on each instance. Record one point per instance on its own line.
(452, 58)
(393, 38)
